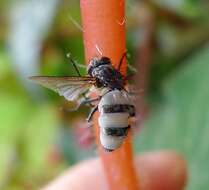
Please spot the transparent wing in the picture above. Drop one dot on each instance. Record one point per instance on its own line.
(69, 87)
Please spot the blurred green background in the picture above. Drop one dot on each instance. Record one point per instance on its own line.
(166, 40)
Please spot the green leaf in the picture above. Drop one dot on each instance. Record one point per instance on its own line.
(12, 119)
(39, 137)
(27, 135)
(4, 65)
(181, 122)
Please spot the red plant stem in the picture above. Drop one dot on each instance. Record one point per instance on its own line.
(104, 35)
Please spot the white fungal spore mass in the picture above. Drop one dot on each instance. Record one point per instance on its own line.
(114, 118)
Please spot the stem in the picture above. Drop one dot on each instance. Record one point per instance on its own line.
(104, 35)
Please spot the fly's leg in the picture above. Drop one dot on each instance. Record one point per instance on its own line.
(91, 114)
(121, 61)
(84, 102)
(74, 65)
(89, 101)
(131, 68)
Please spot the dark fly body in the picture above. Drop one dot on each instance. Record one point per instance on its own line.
(106, 74)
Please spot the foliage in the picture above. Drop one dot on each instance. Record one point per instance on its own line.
(181, 121)
(37, 140)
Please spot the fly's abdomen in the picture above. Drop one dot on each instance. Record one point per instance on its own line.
(114, 120)
(113, 129)
(115, 110)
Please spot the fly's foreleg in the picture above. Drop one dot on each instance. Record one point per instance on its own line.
(88, 101)
(91, 114)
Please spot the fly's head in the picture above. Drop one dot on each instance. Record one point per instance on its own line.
(96, 62)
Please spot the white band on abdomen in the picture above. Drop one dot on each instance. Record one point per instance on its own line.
(114, 120)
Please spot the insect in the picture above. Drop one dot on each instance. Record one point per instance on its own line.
(115, 110)
(113, 101)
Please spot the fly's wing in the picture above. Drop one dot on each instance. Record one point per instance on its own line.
(69, 87)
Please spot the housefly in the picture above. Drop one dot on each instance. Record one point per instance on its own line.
(113, 101)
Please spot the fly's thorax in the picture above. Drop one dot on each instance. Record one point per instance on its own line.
(108, 76)
(104, 72)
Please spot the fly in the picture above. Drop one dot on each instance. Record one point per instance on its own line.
(113, 102)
